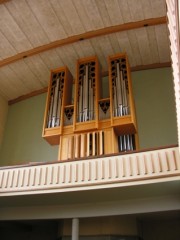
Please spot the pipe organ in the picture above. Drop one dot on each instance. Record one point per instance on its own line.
(91, 125)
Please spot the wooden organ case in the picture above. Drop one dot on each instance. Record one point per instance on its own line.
(92, 125)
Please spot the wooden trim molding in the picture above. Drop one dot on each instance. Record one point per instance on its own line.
(84, 36)
(26, 96)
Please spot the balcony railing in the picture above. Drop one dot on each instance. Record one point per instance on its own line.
(127, 169)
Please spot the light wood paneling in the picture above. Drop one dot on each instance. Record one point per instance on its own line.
(37, 36)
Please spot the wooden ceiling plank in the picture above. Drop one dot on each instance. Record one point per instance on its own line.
(93, 14)
(163, 43)
(6, 49)
(72, 16)
(136, 10)
(88, 35)
(26, 76)
(12, 77)
(103, 13)
(106, 46)
(158, 8)
(87, 48)
(78, 48)
(47, 18)
(153, 44)
(125, 46)
(125, 11)
(62, 17)
(9, 89)
(38, 68)
(12, 31)
(82, 13)
(114, 12)
(147, 9)
(114, 42)
(135, 47)
(99, 53)
(51, 59)
(27, 22)
(143, 42)
(69, 57)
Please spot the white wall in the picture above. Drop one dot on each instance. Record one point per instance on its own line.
(3, 116)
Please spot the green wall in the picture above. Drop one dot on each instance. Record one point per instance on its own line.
(23, 142)
(155, 107)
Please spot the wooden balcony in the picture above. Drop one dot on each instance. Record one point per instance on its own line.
(106, 172)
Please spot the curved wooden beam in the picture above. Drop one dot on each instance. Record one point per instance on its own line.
(84, 36)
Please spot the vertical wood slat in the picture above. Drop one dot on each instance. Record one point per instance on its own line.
(77, 146)
(88, 144)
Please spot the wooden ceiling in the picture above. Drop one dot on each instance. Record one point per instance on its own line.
(37, 36)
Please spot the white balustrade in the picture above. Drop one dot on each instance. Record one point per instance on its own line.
(142, 166)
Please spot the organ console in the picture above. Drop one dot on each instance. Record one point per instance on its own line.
(91, 125)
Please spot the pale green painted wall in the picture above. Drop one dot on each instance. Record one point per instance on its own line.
(22, 139)
(3, 116)
(155, 106)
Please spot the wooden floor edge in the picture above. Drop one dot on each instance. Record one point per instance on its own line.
(104, 74)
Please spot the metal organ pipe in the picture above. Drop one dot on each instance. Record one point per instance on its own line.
(86, 97)
(120, 91)
(126, 143)
(54, 115)
(55, 103)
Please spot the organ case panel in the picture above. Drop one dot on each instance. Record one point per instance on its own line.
(59, 96)
(87, 94)
(122, 109)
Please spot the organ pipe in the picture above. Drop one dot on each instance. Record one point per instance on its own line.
(86, 93)
(120, 89)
